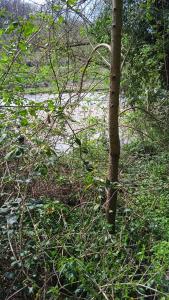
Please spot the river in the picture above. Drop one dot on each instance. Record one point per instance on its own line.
(91, 108)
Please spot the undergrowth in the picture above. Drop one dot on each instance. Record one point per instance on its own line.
(53, 250)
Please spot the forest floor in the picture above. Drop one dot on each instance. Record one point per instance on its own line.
(58, 244)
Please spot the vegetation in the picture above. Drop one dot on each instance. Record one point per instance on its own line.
(56, 242)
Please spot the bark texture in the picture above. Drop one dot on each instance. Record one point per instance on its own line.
(114, 141)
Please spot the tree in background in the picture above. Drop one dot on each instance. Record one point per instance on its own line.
(17, 7)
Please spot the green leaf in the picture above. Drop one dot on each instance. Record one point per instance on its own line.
(9, 275)
(51, 105)
(12, 219)
(41, 169)
(23, 112)
(56, 7)
(30, 289)
(71, 2)
(3, 137)
(32, 112)
(60, 20)
(23, 46)
(96, 207)
(29, 28)
(88, 166)
(19, 152)
(24, 122)
(4, 210)
(10, 29)
(9, 155)
(4, 58)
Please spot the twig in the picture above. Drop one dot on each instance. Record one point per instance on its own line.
(11, 296)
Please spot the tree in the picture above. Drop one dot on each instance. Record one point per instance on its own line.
(114, 142)
(17, 8)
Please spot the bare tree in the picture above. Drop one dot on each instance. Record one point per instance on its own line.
(17, 7)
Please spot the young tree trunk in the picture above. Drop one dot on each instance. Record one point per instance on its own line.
(114, 141)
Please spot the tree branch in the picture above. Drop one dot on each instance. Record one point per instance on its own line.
(103, 45)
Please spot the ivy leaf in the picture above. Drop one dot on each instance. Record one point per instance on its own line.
(88, 166)
(96, 207)
(41, 169)
(9, 155)
(19, 152)
(3, 137)
(9, 275)
(12, 219)
(15, 153)
(4, 210)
